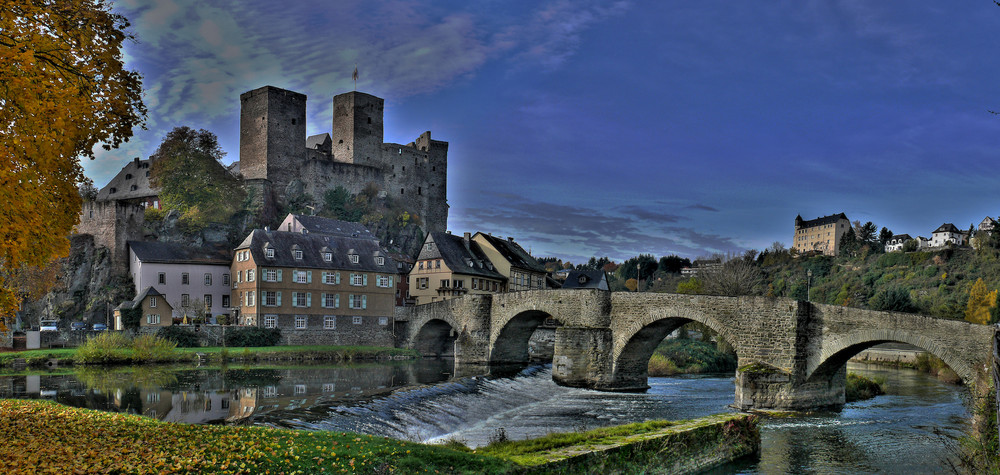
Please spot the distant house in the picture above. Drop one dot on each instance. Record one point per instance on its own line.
(946, 234)
(450, 266)
(895, 243)
(184, 276)
(820, 234)
(131, 185)
(523, 272)
(586, 279)
(156, 311)
(987, 224)
(700, 265)
(298, 223)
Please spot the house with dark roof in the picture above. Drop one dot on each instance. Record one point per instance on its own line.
(946, 234)
(586, 279)
(298, 223)
(895, 243)
(821, 234)
(194, 280)
(156, 310)
(450, 266)
(131, 185)
(523, 272)
(340, 286)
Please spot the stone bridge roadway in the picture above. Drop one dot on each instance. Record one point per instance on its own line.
(791, 354)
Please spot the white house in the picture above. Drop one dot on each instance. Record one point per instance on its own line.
(946, 234)
(896, 242)
(184, 275)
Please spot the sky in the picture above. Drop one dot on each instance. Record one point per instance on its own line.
(612, 128)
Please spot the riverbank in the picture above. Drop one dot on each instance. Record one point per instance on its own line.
(687, 356)
(47, 437)
(67, 356)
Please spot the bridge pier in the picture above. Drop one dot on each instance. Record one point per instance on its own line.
(762, 387)
(582, 357)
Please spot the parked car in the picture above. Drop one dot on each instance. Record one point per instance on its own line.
(99, 327)
(49, 327)
(77, 326)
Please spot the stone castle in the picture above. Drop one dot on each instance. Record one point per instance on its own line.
(279, 161)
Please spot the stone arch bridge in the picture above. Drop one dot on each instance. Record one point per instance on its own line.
(791, 354)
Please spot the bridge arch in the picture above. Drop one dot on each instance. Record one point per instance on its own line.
(436, 337)
(835, 354)
(509, 342)
(634, 344)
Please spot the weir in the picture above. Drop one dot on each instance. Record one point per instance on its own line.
(791, 354)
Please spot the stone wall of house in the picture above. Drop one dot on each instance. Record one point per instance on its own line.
(112, 223)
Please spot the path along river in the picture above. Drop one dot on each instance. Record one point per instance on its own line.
(913, 429)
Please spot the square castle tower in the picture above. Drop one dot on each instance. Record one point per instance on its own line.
(277, 159)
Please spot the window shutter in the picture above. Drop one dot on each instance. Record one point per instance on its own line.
(309, 299)
(338, 277)
(295, 298)
(279, 275)
(390, 281)
(336, 301)
(324, 276)
(309, 277)
(278, 300)
(364, 301)
(364, 280)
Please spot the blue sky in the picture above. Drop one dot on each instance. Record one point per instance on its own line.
(593, 128)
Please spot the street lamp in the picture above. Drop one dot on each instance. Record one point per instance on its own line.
(809, 276)
(638, 275)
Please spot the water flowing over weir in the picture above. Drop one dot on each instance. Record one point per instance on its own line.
(526, 405)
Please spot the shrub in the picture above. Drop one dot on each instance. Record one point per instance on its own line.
(116, 347)
(895, 299)
(153, 348)
(131, 318)
(253, 336)
(859, 388)
(182, 337)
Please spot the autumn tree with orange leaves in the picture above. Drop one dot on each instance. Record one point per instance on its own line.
(64, 89)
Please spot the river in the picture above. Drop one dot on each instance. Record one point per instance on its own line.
(913, 429)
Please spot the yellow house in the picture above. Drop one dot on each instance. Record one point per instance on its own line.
(820, 234)
(156, 311)
(522, 271)
(450, 266)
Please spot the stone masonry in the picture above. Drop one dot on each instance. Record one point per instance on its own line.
(792, 354)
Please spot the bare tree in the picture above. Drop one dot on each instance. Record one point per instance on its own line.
(738, 275)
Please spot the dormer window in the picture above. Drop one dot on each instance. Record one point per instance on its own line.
(328, 256)
(380, 261)
(305, 231)
(269, 252)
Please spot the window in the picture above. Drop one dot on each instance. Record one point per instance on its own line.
(250, 299)
(459, 284)
(270, 391)
(302, 277)
(359, 280)
(185, 280)
(269, 253)
(300, 322)
(239, 276)
(328, 256)
(437, 264)
(208, 279)
(225, 301)
(299, 388)
(357, 320)
(357, 301)
(354, 258)
(383, 281)
(161, 278)
(301, 299)
(329, 322)
(475, 284)
(152, 302)
(421, 265)
(185, 300)
(298, 255)
(270, 321)
(445, 283)
(153, 397)
(380, 261)
(225, 279)
(153, 319)
(271, 275)
(250, 275)
(422, 283)
(331, 300)
(208, 301)
(270, 299)
(331, 277)
(383, 321)
(114, 190)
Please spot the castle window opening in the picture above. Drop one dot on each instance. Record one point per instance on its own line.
(400, 151)
(133, 188)
(419, 190)
(434, 169)
(401, 191)
(293, 121)
(369, 120)
(147, 174)
(340, 141)
(128, 176)
(114, 190)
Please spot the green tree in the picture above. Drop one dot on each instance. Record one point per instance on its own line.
(187, 169)
(884, 236)
(673, 264)
(894, 299)
(867, 235)
(63, 90)
(849, 244)
(911, 245)
(640, 267)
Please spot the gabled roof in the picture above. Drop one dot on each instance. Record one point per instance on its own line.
(904, 237)
(513, 252)
(313, 246)
(586, 279)
(134, 303)
(833, 218)
(319, 142)
(332, 227)
(460, 255)
(135, 174)
(946, 228)
(174, 253)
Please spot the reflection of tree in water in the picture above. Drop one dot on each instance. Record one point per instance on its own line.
(131, 401)
(251, 377)
(109, 380)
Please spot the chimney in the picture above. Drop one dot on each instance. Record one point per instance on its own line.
(510, 239)
(448, 232)
(267, 229)
(137, 162)
(467, 236)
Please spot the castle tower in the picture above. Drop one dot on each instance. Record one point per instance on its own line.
(357, 128)
(272, 134)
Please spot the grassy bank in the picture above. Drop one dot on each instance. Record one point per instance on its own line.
(859, 388)
(684, 356)
(69, 356)
(44, 437)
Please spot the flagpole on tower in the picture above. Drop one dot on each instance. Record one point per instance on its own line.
(355, 76)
